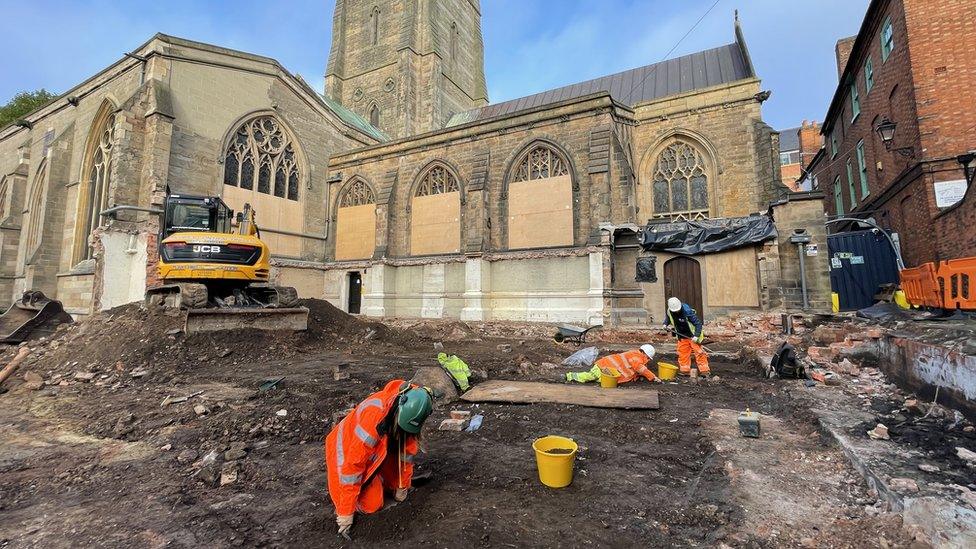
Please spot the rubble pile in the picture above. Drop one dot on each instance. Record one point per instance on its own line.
(116, 347)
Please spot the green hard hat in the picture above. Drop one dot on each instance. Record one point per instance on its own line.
(415, 406)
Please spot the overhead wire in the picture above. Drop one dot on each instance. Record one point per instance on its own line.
(674, 47)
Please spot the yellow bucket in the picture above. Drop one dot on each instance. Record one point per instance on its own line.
(554, 457)
(666, 371)
(608, 378)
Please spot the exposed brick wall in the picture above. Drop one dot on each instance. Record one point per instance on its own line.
(925, 87)
(842, 51)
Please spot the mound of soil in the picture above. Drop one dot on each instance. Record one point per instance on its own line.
(131, 337)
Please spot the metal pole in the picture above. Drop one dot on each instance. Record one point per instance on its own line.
(803, 275)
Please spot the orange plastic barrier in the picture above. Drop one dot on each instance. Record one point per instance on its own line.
(921, 286)
(955, 279)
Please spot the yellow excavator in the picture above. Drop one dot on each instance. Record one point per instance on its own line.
(219, 274)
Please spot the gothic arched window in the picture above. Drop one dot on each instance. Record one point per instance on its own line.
(4, 189)
(35, 211)
(356, 222)
(261, 155)
(540, 195)
(437, 180)
(680, 182)
(454, 44)
(96, 177)
(540, 163)
(374, 116)
(358, 194)
(374, 25)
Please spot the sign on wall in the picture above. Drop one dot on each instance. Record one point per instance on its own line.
(947, 193)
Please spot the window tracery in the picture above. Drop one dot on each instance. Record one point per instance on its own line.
(262, 155)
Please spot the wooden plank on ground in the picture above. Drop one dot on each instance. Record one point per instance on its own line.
(531, 392)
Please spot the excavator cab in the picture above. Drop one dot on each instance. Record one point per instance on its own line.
(196, 213)
(217, 272)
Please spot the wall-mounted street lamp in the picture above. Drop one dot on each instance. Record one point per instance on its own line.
(968, 163)
(886, 129)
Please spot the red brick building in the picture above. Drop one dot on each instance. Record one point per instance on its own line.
(911, 65)
(797, 147)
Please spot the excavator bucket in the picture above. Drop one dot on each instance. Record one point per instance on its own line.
(217, 319)
(33, 315)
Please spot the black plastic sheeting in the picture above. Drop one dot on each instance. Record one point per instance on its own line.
(708, 235)
(646, 269)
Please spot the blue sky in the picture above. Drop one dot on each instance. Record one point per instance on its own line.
(530, 45)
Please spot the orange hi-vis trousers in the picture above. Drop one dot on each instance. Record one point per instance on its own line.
(685, 348)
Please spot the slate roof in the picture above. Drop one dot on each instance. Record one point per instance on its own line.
(789, 140)
(704, 69)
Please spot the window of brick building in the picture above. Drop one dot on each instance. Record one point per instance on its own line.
(862, 168)
(868, 75)
(887, 39)
(850, 184)
(838, 197)
(833, 145)
(855, 101)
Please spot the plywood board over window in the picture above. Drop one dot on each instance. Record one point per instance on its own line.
(356, 232)
(540, 213)
(732, 279)
(435, 224)
(271, 212)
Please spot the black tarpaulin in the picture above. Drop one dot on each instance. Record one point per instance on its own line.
(707, 235)
(646, 269)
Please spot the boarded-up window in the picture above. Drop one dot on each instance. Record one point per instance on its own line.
(435, 213)
(356, 222)
(540, 201)
(261, 169)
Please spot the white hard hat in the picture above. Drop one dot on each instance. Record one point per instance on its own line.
(648, 350)
(674, 304)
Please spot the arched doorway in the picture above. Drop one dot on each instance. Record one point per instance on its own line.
(682, 279)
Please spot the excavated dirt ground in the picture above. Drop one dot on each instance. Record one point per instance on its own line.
(103, 462)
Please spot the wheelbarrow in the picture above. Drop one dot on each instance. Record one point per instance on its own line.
(573, 334)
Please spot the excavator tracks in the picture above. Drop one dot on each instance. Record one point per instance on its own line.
(256, 306)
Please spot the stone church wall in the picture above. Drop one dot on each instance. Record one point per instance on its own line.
(727, 123)
(172, 115)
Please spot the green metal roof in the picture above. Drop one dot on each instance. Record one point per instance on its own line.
(354, 119)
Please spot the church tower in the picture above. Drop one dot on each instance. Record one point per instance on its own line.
(407, 66)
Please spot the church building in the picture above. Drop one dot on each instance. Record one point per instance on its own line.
(401, 190)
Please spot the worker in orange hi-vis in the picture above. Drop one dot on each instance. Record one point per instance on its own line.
(686, 325)
(629, 365)
(372, 450)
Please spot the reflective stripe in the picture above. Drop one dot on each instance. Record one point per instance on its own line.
(366, 437)
(350, 479)
(373, 402)
(408, 458)
(340, 454)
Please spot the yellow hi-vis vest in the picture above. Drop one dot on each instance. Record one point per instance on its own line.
(457, 368)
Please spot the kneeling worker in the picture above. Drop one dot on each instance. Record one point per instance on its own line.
(372, 449)
(629, 365)
(689, 329)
